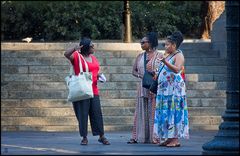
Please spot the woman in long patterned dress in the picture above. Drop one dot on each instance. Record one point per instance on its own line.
(171, 115)
(145, 102)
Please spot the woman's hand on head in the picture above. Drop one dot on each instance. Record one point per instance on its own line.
(78, 48)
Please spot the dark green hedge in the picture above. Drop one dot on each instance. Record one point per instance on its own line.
(64, 20)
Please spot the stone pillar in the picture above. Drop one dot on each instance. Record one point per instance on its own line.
(127, 23)
(226, 142)
(219, 36)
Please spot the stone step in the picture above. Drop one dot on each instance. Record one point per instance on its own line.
(57, 64)
(118, 85)
(206, 93)
(123, 112)
(206, 77)
(111, 77)
(206, 69)
(60, 128)
(202, 61)
(204, 127)
(197, 44)
(193, 53)
(110, 112)
(205, 120)
(22, 75)
(108, 94)
(75, 128)
(61, 121)
(114, 65)
(206, 102)
(70, 124)
(206, 111)
(32, 53)
(62, 103)
(125, 85)
(206, 85)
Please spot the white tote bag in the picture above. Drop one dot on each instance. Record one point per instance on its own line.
(79, 86)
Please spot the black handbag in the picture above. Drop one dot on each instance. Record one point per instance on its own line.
(147, 77)
(147, 80)
(154, 86)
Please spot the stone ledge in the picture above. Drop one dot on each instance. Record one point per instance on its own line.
(99, 46)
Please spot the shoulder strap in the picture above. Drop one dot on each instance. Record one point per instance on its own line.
(80, 63)
(164, 64)
(145, 61)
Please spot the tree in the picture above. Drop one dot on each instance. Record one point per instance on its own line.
(210, 11)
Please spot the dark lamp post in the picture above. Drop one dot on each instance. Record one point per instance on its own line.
(226, 142)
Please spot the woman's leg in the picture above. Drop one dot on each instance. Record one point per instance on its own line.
(96, 120)
(81, 109)
(95, 114)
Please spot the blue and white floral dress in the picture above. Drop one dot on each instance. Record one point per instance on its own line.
(171, 114)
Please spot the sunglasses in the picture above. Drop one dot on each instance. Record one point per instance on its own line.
(91, 45)
(142, 42)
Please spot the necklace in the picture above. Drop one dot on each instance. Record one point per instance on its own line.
(150, 54)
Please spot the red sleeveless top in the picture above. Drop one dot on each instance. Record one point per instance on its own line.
(93, 67)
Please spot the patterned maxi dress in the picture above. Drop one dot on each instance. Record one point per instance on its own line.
(171, 115)
(145, 104)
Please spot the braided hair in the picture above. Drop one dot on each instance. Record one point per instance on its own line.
(153, 39)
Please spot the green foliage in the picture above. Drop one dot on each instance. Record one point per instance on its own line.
(65, 20)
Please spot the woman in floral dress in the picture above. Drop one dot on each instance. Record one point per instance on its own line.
(171, 114)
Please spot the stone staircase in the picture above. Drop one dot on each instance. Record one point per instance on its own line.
(33, 91)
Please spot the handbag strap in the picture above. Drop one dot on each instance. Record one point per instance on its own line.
(164, 64)
(80, 65)
(145, 61)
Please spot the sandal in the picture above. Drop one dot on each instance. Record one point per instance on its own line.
(104, 141)
(132, 141)
(173, 145)
(84, 141)
(164, 143)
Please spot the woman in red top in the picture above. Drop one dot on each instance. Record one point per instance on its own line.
(91, 106)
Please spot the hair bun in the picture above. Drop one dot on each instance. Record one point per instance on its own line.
(177, 37)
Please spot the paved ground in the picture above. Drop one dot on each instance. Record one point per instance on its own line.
(68, 143)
